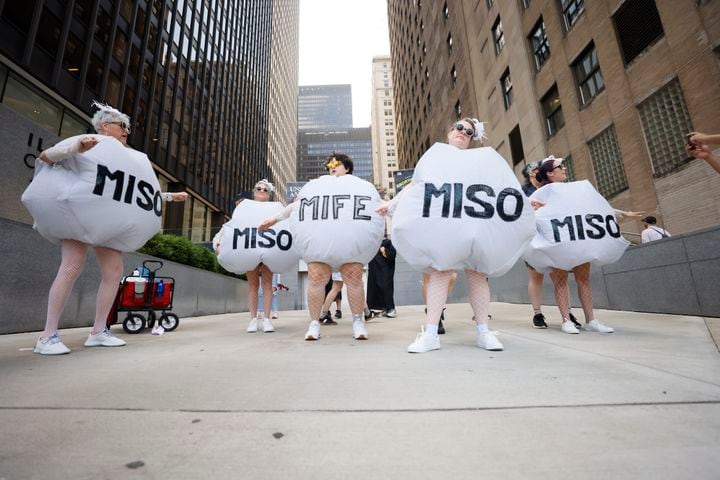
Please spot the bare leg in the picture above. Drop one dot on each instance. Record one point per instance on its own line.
(562, 293)
(535, 289)
(582, 278)
(318, 275)
(253, 277)
(330, 298)
(352, 276)
(71, 266)
(479, 293)
(267, 286)
(111, 270)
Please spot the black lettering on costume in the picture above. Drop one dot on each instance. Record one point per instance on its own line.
(325, 207)
(579, 227)
(284, 240)
(253, 238)
(158, 204)
(595, 222)
(130, 189)
(432, 191)
(237, 233)
(118, 176)
(337, 205)
(457, 204)
(557, 224)
(145, 191)
(313, 202)
(268, 242)
(612, 226)
(471, 194)
(519, 202)
(360, 205)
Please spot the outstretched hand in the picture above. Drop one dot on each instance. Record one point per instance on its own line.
(535, 204)
(267, 223)
(87, 143)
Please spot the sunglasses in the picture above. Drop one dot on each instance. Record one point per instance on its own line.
(559, 166)
(468, 131)
(122, 125)
(333, 164)
(261, 189)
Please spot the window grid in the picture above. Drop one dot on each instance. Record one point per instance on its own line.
(589, 77)
(498, 36)
(506, 88)
(539, 42)
(607, 163)
(569, 168)
(552, 109)
(572, 9)
(665, 121)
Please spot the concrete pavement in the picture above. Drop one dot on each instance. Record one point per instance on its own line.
(211, 401)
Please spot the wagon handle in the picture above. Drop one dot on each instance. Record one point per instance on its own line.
(156, 262)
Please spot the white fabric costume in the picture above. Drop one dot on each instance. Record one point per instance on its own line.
(242, 248)
(576, 225)
(108, 196)
(464, 210)
(335, 222)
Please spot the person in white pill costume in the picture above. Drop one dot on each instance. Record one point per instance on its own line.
(93, 191)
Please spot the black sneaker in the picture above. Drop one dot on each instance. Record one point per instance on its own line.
(338, 314)
(574, 320)
(441, 328)
(539, 321)
(327, 319)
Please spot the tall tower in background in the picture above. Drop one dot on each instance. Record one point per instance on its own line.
(610, 86)
(325, 127)
(193, 75)
(282, 118)
(382, 114)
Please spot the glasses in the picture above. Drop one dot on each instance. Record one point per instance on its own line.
(261, 189)
(559, 166)
(122, 125)
(468, 131)
(333, 164)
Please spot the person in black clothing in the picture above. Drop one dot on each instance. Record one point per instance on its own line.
(381, 285)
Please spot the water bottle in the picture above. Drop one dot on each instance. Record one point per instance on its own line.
(160, 288)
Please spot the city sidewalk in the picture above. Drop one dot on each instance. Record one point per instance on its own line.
(211, 401)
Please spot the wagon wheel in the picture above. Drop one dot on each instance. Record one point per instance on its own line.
(134, 323)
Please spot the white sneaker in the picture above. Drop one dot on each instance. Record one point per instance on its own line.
(424, 342)
(392, 313)
(568, 327)
(273, 315)
(268, 326)
(595, 326)
(104, 339)
(488, 341)
(359, 330)
(51, 346)
(313, 332)
(252, 326)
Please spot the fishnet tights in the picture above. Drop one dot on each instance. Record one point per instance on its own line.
(562, 291)
(352, 277)
(261, 273)
(436, 292)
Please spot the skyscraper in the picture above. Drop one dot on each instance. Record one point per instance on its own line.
(325, 107)
(383, 125)
(194, 76)
(611, 86)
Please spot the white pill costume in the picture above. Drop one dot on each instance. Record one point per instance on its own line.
(242, 247)
(108, 196)
(576, 225)
(334, 221)
(464, 210)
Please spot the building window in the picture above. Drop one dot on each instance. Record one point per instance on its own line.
(607, 163)
(490, 3)
(506, 88)
(446, 11)
(525, 4)
(449, 42)
(453, 75)
(516, 147)
(588, 75)
(638, 25)
(569, 168)
(572, 9)
(665, 121)
(458, 110)
(32, 104)
(552, 110)
(539, 42)
(498, 36)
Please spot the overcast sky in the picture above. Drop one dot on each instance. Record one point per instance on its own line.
(338, 39)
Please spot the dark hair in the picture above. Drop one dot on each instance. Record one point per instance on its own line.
(543, 170)
(342, 158)
(650, 220)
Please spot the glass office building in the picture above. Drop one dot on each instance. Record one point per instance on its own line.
(194, 76)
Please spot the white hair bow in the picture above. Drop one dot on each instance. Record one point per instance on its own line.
(267, 183)
(479, 129)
